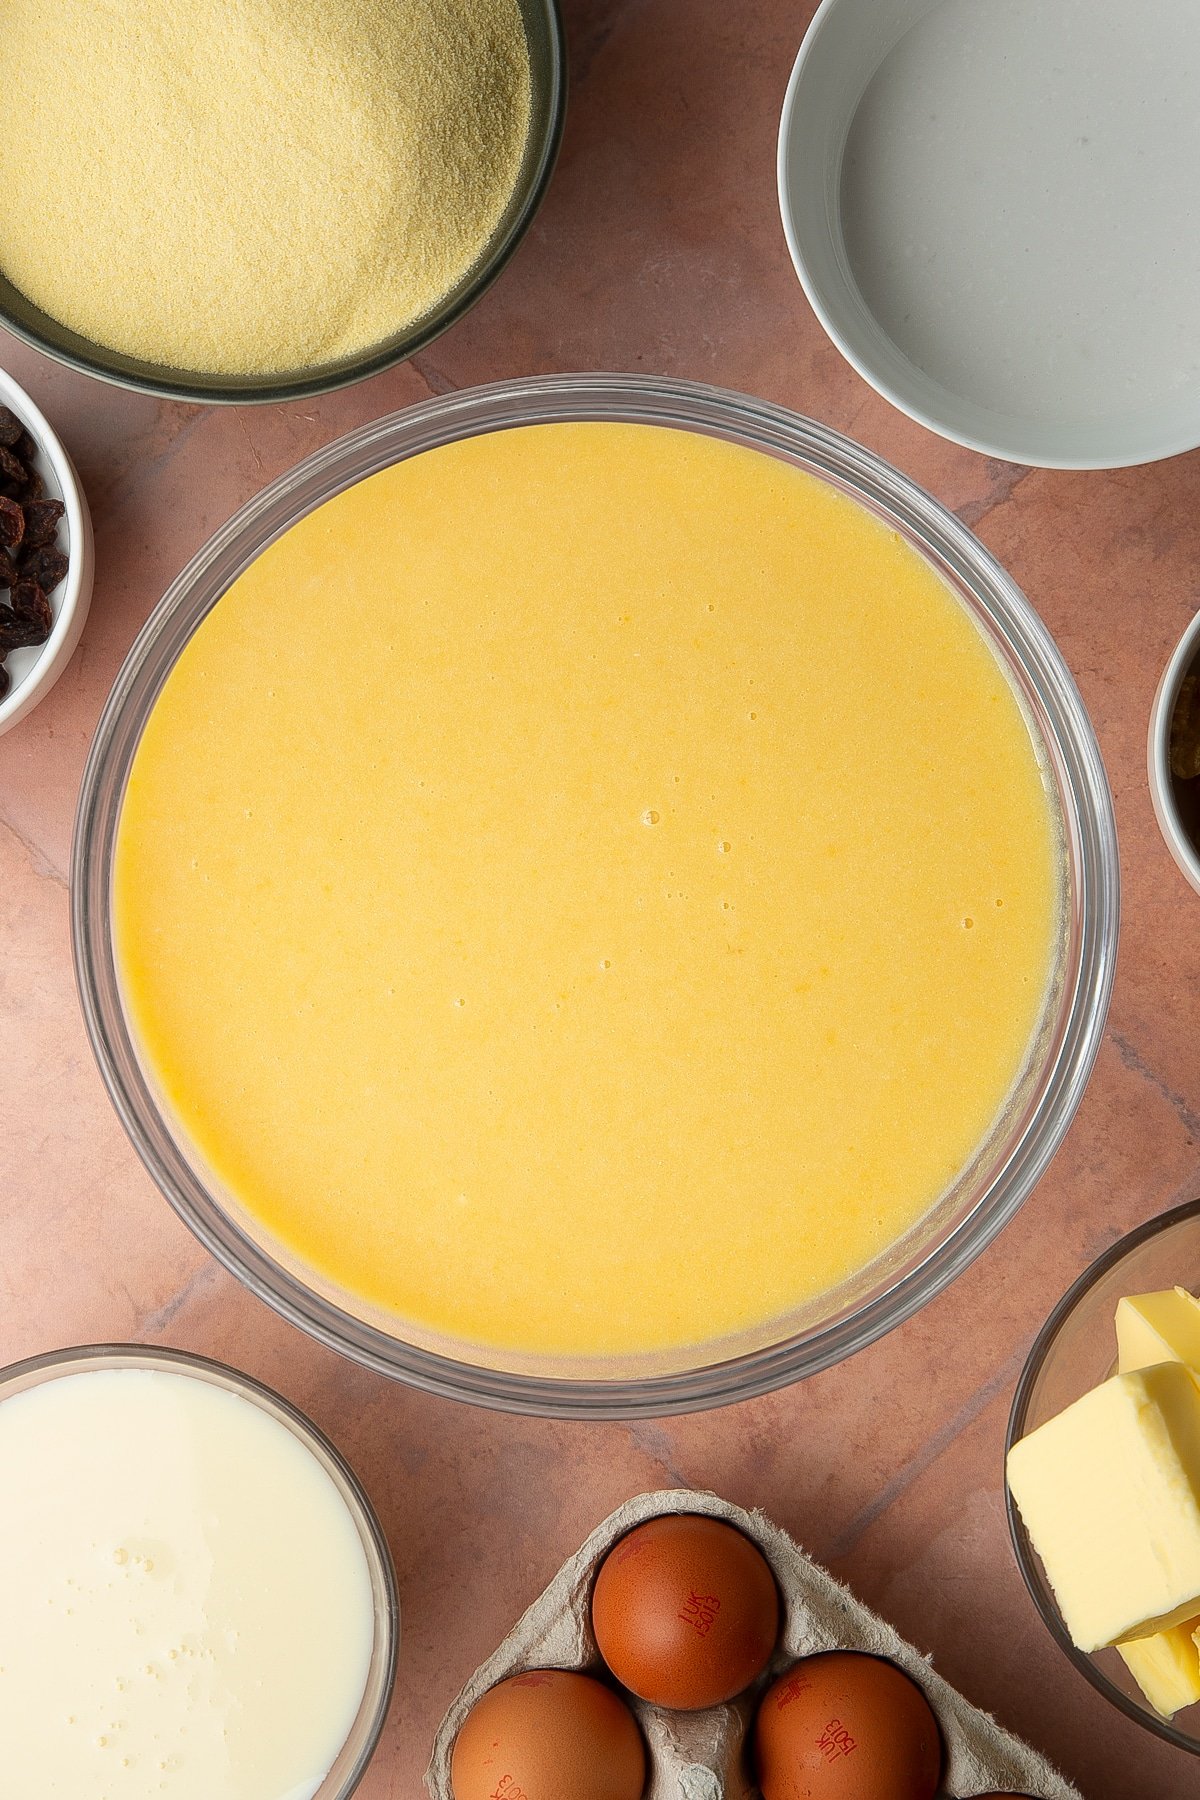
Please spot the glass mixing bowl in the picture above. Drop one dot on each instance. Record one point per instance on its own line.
(350, 1765)
(986, 1193)
(548, 104)
(1074, 1352)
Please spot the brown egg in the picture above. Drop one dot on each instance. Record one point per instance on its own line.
(846, 1727)
(548, 1735)
(685, 1611)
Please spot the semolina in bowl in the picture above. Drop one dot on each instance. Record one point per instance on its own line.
(269, 201)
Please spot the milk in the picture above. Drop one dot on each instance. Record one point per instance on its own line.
(185, 1601)
(1021, 207)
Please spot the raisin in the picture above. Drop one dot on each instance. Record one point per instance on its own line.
(8, 570)
(30, 604)
(5, 681)
(41, 521)
(34, 489)
(17, 633)
(10, 426)
(46, 565)
(12, 524)
(26, 448)
(12, 467)
(1185, 731)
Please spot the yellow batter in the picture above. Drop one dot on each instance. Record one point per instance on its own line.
(587, 889)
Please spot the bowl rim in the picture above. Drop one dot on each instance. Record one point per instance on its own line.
(1158, 755)
(89, 358)
(77, 583)
(1083, 799)
(1024, 454)
(48, 1365)
(1022, 1547)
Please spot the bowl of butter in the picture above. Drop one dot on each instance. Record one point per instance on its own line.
(1103, 1467)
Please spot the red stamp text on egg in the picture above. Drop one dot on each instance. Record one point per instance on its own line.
(700, 1612)
(509, 1789)
(835, 1742)
(791, 1690)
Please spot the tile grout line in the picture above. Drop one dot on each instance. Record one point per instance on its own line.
(43, 868)
(653, 1441)
(1132, 1059)
(598, 39)
(114, 495)
(198, 1282)
(250, 444)
(930, 1452)
(435, 379)
(972, 513)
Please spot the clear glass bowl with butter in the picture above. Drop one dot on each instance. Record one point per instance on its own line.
(986, 1192)
(1074, 1352)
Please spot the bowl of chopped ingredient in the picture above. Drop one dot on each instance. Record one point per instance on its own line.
(46, 556)
(1173, 754)
(267, 202)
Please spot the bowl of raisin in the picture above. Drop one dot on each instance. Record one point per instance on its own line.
(46, 555)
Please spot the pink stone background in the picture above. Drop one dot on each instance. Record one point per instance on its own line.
(659, 249)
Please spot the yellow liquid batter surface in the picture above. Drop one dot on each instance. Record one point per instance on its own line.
(587, 889)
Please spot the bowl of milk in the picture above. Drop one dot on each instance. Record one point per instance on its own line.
(993, 210)
(198, 1599)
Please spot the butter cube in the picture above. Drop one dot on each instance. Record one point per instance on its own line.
(1155, 1328)
(1110, 1495)
(1167, 1667)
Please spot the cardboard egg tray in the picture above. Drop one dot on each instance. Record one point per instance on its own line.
(703, 1755)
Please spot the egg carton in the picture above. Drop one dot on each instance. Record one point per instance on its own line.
(702, 1755)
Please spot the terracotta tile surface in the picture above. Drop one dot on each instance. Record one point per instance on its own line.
(659, 249)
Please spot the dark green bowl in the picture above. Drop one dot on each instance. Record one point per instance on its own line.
(547, 56)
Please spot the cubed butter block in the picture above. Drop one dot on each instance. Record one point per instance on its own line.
(1167, 1667)
(1155, 1328)
(1110, 1495)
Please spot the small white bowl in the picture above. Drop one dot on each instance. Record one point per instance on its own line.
(997, 234)
(1185, 657)
(35, 671)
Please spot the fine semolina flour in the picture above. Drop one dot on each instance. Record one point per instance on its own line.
(254, 186)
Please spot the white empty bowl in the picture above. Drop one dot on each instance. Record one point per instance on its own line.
(35, 671)
(1182, 845)
(993, 208)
